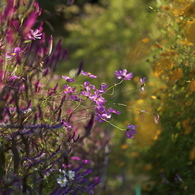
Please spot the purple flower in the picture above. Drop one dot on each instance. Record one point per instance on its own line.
(85, 93)
(68, 79)
(75, 98)
(88, 74)
(113, 111)
(86, 84)
(97, 98)
(67, 89)
(33, 35)
(13, 78)
(86, 161)
(142, 81)
(87, 89)
(122, 74)
(102, 114)
(75, 158)
(130, 131)
(67, 125)
(15, 52)
(102, 88)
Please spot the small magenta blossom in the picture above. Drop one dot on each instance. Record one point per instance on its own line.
(13, 78)
(111, 110)
(103, 88)
(87, 89)
(88, 74)
(130, 131)
(122, 74)
(88, 86)
(75, 158)
(67, 125)
(68, 79)
(34, 34)
(75, 98)
(102, 114)
(15, 52)
(97, 98)
(67, 89)
(85, 161)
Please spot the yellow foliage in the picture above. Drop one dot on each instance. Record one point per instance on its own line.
(186, 125)
(121, 164)
(145, 40)
(124, 146)
(163, 65)
(158, 132)
(188, 103)
(182, 8)
(192, 154)
(176, 75)
(182, 2)
(189, 10)
(169, 53)
(147, 167)
(158, 45)
(185, 42)
(138, 50)
(192, 73)
(134, 154)
(177, 13)
(191, 86)
(147, 130)
(165, 7)
(136, 79)
(190, 30)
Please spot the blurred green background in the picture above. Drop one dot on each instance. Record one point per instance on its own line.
(153, 39)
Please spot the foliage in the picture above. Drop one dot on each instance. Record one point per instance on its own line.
(171, 156)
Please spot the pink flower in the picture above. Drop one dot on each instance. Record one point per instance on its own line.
(67, 89)
(33, 35)
(15, 52)
(68, 79)
(130, 131)
(88, 74)
(122, 74)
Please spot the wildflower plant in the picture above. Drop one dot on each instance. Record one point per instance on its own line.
(46, 119)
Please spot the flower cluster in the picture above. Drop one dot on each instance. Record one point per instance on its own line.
(66, 177)
(75, 181)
